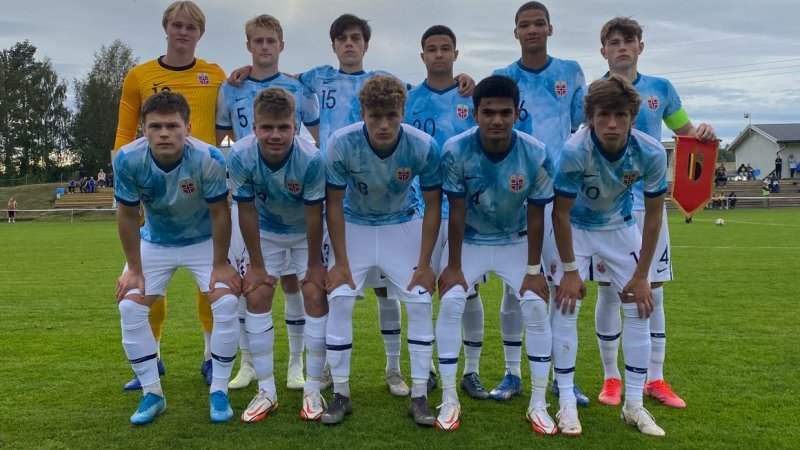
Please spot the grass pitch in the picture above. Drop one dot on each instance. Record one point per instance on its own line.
(732, 354)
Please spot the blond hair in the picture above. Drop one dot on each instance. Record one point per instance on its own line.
(274, 101)
(266, 22)
(189, 8)
(382, 91)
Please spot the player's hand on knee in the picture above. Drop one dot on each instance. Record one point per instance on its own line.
(569, 291)
(316, 276)
(254, 278)
(425, 277)
(638, 290)
(128, 281)
(450, 278)
(338, 276)
(227, 275)
(536, 284)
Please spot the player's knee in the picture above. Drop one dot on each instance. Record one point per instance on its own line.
(420, 321)
(535, 315)
(225, 309)
(451, 310)
(132, 315)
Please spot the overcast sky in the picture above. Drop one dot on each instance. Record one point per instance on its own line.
(724, 57)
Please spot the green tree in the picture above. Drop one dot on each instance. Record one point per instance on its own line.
(97, 105)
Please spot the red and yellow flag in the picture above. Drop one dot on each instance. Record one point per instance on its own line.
(693, 176)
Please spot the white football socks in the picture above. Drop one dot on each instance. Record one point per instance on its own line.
(339, 342)
(315, 351)
(472, 328)
(224, 340)
(389, 319)
(658, 337)
(420, 345)
(636, 350)
(538, 343)
(511, 325)
(565, 351)
(138, 342)
(295, 315)
(608, 326)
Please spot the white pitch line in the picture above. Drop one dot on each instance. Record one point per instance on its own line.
(725, 247)
(728, 221)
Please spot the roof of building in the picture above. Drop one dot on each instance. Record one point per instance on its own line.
(779, 133)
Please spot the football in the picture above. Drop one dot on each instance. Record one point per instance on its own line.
(720, 222)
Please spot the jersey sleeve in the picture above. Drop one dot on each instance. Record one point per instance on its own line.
(655, 177)
(569, 173)
(430, 177)
(223, 115)
(310, 107)
(129, 105)
(674, 114)
(542, 192)
(309, 79)
(452, 173)
(314, 185)
(335, 167)
(215, 187)
(125, 190)
(242, 188)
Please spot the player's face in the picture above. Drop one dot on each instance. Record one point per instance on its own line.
(438, 54)
(622, 52)
(532, 31)
(275, 134)
(383, 126)
(612, 128)
(350, 47)
(495, 117)
(182, 33)
(265, 46)
(166, 134)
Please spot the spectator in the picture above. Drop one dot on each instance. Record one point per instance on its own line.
(750, 172)
(792, 165)
(765, 192)
(774, 186)
(778, 166)
(732, 200)
(12, 210)
(81, 172)
(83, 184)
(110, 179)
(716, 200)
(72, 184)
(91, 185)
(101, 178)
(721, 176)
(742, 173)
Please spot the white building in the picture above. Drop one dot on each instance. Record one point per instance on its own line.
(759, 145)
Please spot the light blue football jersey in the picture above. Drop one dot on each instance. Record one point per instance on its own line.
(280, 192)
(378, 190)
(337, 92)
(601, 183)
(551, 100)
(496, 192)
(440, 113)
(235, 104)
(175, 197)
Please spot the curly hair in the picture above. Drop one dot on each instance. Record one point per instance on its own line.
(382, 91)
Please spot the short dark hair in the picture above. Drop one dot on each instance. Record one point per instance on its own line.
(625, 25)
(614, 93)
(166, 102)
(496, 86)
(345, 21)
(532, 5)
(438, 30)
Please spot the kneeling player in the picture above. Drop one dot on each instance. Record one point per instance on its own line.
(592, 217)
(490, 173)
(181, 183)
(278, 180)
(371, 166)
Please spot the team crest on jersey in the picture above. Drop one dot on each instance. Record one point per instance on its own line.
(187, 186)
(293, 186)
(652, 102)
(516, 182)
(553, 268)
(628, 178)
(601, 268)
(203, 78)
(462, 111)
(403, 174)
(561, 88)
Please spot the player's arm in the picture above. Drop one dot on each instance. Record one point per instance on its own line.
(431, 222)
(571, 287)
(339, 274)
(316, 271)
(222, 271)
(314, 131)
(129, 105)
(256, 274)
(128, 227)
(534, 280)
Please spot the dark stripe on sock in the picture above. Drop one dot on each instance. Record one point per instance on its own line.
(512, 343)
(339, 348)
(144, 358)
(296, 322)
(608, 337)
(265, 331)
(448, 360)
(223, 359)
(539, 358)
(639, 370)
(415, 342)
(563, 371)
(390, 332)
(658, 335)
(241, 319)
(473, 343)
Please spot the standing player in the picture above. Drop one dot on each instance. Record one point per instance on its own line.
(622, 43)
(198, 81)
(11, 209)
(490, 174)
(180, 181)
(279, 183)
(593, 217)
(235, 115)
(551, 91)
(436, 107)
(371, 166)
